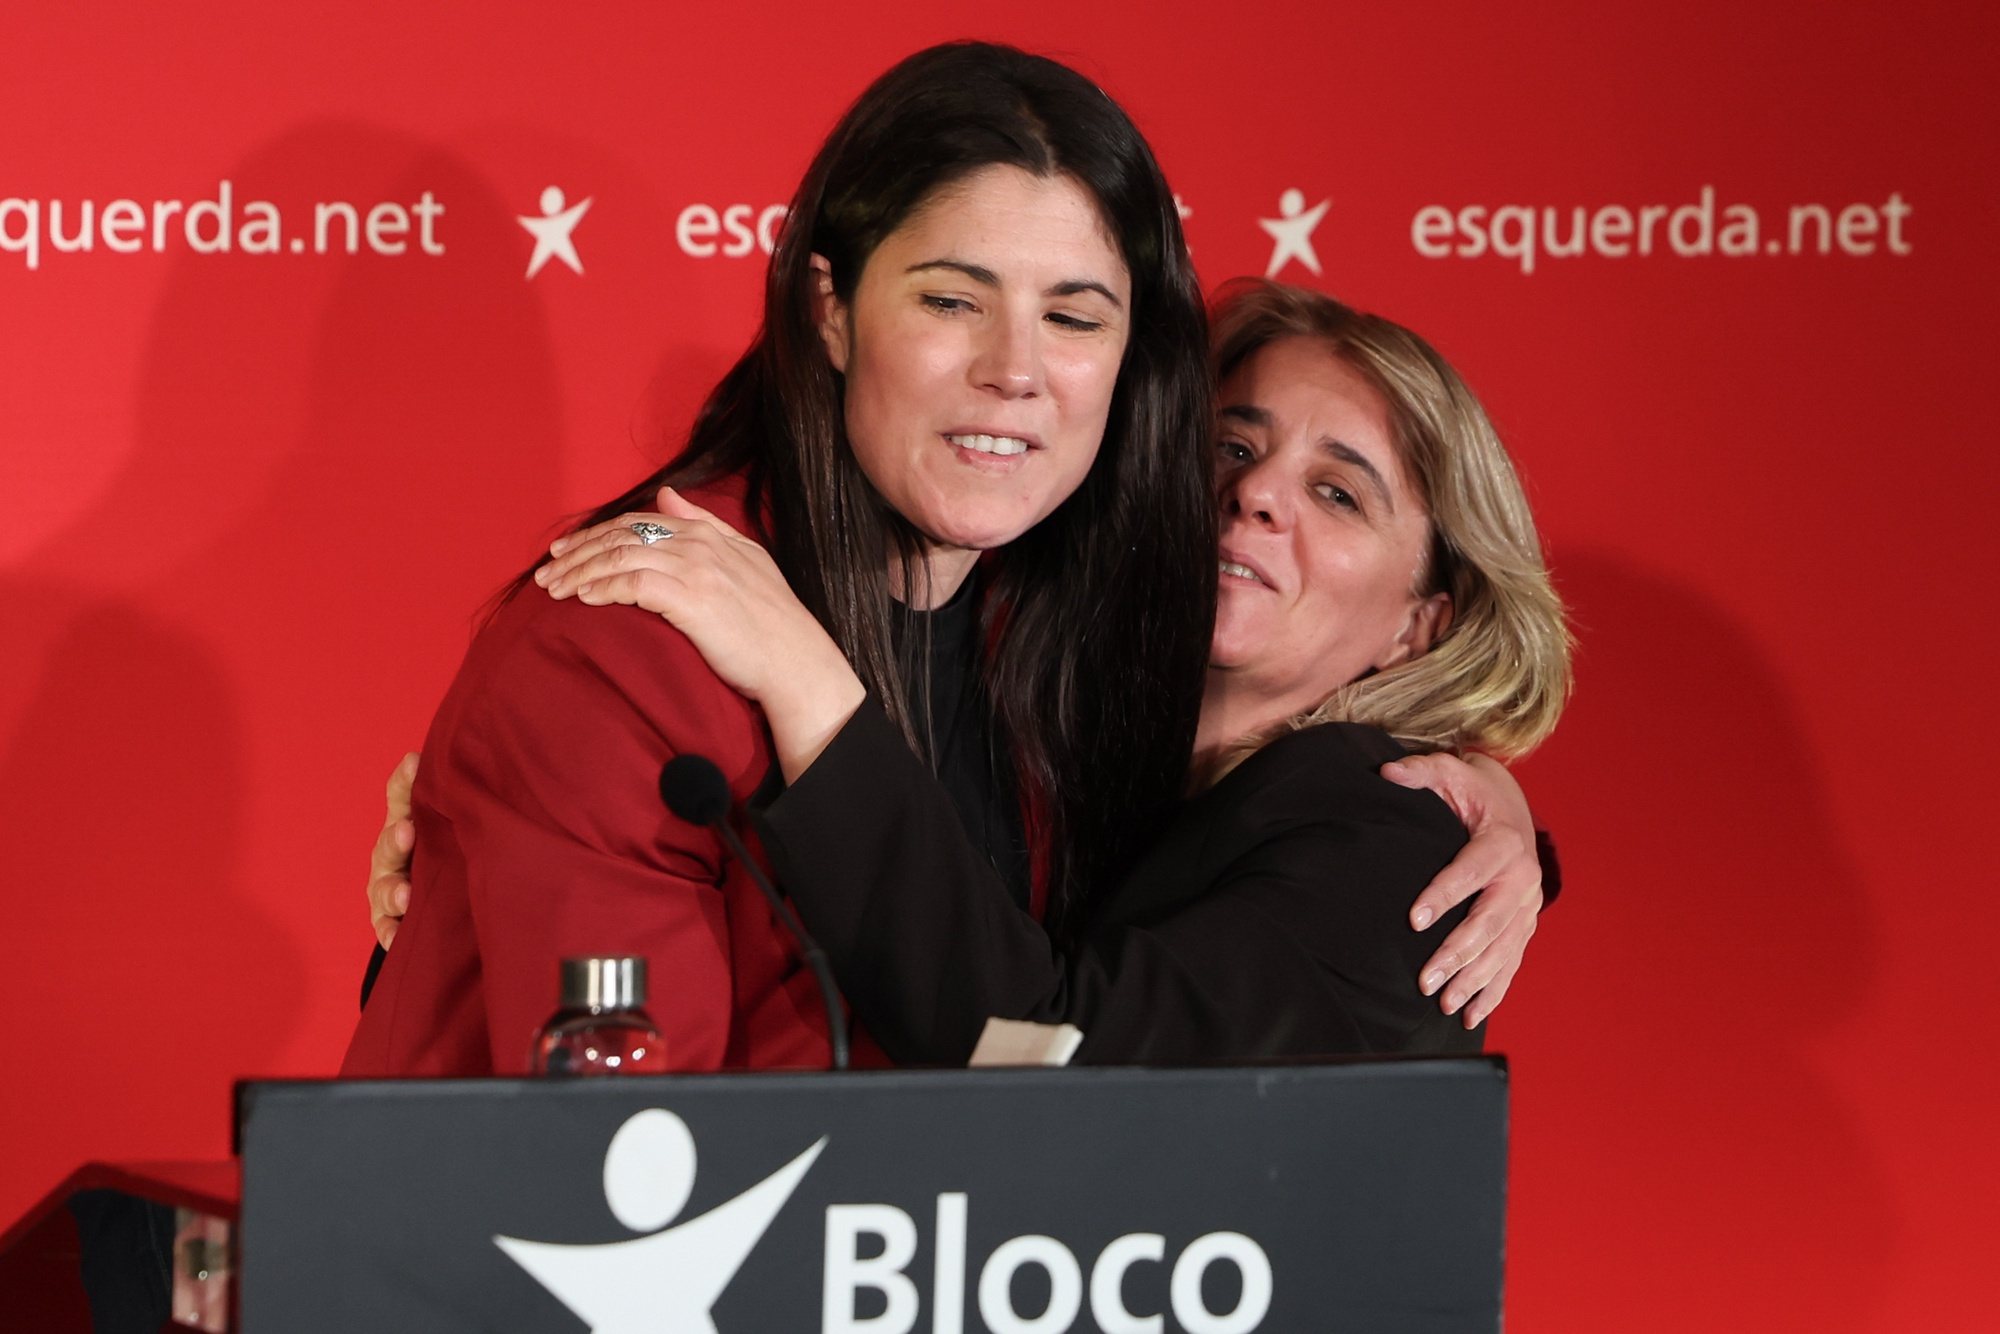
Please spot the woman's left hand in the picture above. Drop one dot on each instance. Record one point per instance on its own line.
(726, 594)
(1500, 863)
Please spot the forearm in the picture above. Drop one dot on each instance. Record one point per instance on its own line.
(1297, 948)
(807, 705)
(922, 933)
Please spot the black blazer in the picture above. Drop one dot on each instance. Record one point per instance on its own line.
(1272, 920)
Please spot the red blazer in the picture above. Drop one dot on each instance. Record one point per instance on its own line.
(541, 835)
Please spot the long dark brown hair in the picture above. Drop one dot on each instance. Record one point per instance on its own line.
(1099, 617)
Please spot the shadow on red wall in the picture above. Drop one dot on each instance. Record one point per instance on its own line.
(193, 696)
(1681, 1159)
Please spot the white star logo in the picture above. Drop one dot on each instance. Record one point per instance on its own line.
(1292, 232)
(552, 231)
(668, 1282)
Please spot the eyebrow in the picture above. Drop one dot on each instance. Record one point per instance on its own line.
(1340, 449)
(1251, 415)
(986, 277)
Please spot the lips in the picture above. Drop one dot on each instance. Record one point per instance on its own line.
(1238, 566)
(1000, 444)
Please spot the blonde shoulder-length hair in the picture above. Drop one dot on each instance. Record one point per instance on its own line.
(1498, 678)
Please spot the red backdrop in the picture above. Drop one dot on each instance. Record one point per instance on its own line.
(249, 502)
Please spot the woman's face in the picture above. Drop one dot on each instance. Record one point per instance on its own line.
(1323, 533)
(980, 351)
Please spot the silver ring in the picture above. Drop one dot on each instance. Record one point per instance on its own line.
(650, 533)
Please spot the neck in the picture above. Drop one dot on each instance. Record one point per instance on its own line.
(947, 568)
(1232, 709)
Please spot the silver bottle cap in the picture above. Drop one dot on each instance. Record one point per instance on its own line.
(608, 982)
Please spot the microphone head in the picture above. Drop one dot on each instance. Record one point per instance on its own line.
(695, 789)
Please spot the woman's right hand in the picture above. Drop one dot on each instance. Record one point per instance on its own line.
(725, 593)
(1499, 864)
(389, 866)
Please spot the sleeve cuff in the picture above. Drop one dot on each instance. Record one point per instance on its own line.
(863, 751)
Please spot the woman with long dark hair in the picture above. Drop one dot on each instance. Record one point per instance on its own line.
(1051, 294)
(971, 435)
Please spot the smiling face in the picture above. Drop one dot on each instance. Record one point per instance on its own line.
(1323, 534)
(980, 351)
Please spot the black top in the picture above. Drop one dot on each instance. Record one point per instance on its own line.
(977, 777)
(1271, 920)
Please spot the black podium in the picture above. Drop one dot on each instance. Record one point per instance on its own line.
(1366, 1196)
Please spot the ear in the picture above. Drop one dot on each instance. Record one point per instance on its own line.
(1426, 623)
(830, 313)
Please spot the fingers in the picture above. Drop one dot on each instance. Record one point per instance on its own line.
(393, 844)
(607, 554)
(569, 542)
(567, 552)
(402, 779)
(573, 551)
(389, 894)
(389, 859)
(389, 868)
(388, 899)
(388, 872)
(637, 575)
(679, 506)
(1460, 948)
(386, 923)
(1488, 1000)
(1497, 949)
(1450, 778)
(1481, 986)
(1482, 858)
(573, 559)
(1501, 794)
(1410, 771)
(656, 590)
(1472, 970)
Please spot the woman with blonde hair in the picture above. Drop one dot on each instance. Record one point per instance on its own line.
(1498, 681)
(1383, 593)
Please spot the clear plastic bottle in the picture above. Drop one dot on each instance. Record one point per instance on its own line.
(602, 1027)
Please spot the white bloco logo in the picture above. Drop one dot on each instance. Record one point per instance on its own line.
(666, 1283)
(669, 1281)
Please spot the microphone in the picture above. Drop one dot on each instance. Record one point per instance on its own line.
(695, 790)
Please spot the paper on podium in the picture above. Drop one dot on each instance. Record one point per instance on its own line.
(1017, 1042)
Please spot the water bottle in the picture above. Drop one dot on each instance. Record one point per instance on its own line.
(602, 1027)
